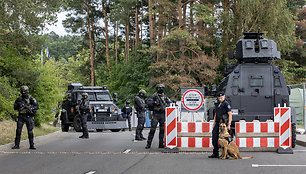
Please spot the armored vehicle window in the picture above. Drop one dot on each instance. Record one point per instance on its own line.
(103, 96)
(277, 82)
(91, 96)
(256, 81)
(264, 44)
(235, 82)
(248, 45)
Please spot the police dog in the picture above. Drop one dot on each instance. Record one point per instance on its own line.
(227, 144)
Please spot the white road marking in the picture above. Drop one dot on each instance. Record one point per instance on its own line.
(299, 150)
(91, 172)
(127, 151)
(276, 165)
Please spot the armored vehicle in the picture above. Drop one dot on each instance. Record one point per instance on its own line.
(104, 114)
(254, 85)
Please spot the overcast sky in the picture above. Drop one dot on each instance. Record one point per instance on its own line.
(58, 28)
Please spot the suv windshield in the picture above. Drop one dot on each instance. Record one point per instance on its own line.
(103, 96)
(91, 96)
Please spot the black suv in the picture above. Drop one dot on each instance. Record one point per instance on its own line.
(104, 114)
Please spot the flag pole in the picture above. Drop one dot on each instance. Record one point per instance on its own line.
(42, 56)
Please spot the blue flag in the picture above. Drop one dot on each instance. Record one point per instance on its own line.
(47, 52)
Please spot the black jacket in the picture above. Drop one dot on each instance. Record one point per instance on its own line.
(26, 106)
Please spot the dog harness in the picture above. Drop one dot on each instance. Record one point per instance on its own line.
(229, 139)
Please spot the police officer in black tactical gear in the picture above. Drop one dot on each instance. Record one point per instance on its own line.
(140, 106)
(27, 106)
(127, 113)
(158, 102)
(84, 111)
(223, 113)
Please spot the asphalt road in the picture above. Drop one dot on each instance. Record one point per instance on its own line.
(105, 153)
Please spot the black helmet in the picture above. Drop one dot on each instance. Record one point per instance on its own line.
(143, 92)
(160, 88)
(127, 102)
(24, 89)
(160, 85)
(84, 95)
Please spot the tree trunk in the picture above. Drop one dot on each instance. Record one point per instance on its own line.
(136, 25)
(184, 16)
(127, 41)
(91, 46)
(191, 18)
(151, 24)
(180, 13)
(106, 41)
(116, 43)
(160, 34)
(141, 22)
(114, 56)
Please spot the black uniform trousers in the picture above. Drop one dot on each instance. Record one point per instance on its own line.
(215, 138)
(84, 124)
(129, 121)
(140, 125)
(29, 121)
(157, 118)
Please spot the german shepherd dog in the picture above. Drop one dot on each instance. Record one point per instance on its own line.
(228, 145)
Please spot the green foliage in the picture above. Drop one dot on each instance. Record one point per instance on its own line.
(203, 13)
(49, 90)
(62, 47)
(21, 20)
(294, 74)
(131, 76)
(8, 96)
(76, 68)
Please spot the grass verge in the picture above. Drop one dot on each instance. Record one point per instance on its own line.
(8, 131)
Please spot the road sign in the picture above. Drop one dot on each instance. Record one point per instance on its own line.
(192, 100)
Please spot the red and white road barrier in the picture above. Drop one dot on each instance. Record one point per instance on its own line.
(171, 127)
(194, 142)
(194, 127)
(285, 127)
(276, 114)
(256, 127)
(258, 142)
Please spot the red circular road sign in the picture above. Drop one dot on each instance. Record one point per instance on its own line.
(192, 100)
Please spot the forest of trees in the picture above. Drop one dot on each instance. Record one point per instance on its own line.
(130, 45)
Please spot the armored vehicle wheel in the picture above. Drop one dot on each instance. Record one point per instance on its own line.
(99, 130)
(77, 123)
(65, 127)
(293, 135)
(115, 130)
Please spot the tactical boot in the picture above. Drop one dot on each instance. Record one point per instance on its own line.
(138, 139)
(214, 156)
(32, 147)
(143, 138)
(15, 147)
(148, 146)
(81, 136)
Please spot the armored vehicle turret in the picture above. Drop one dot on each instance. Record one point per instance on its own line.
(254, 85)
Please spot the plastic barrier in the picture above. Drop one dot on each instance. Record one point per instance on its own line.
(285, 141)
(194, 136)
(171, 127)
(257, 136)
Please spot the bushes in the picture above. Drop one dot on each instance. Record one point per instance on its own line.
(45, 83)
(8, 96)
